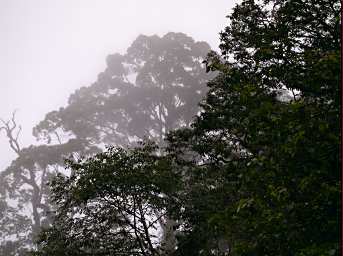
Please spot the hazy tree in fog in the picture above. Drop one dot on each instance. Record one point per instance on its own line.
(12, 222)
(25, 206)
(153, 88)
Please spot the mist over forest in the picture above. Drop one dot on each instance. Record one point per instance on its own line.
(177, 145)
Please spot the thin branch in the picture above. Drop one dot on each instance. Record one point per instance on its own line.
(58, 137)
(10, 128)
(146, 229)
(18, 132)
(135, 227)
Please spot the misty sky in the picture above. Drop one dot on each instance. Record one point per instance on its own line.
(49, 48)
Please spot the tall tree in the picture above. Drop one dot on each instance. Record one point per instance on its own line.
(153, 88)
(25, 204)
(269, 170)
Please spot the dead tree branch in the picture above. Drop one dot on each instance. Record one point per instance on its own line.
(12, 131)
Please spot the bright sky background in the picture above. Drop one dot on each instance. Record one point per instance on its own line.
(49, 48)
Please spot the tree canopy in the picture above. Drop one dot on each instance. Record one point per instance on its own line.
(268, 137)
(113, 204)
(150, 90)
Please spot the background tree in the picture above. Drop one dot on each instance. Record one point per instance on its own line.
(153, 88)
(24, 193)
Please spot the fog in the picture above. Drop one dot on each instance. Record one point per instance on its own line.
(50, 48)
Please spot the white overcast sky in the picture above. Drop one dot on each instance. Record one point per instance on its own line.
(49, 48)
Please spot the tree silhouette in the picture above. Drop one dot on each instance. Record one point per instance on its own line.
(25, 204)
(112, 205)
(153, 88)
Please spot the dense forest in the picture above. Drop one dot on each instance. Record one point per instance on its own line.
(180, 150)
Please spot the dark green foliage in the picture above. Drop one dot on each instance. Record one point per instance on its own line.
(112, 204)
(270, 161)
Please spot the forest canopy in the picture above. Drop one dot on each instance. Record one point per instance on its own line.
(253, 170)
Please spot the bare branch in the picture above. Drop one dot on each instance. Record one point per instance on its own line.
(135, 228)
(12, 132)
(18, 132)
(146, 229)
(58, 137)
